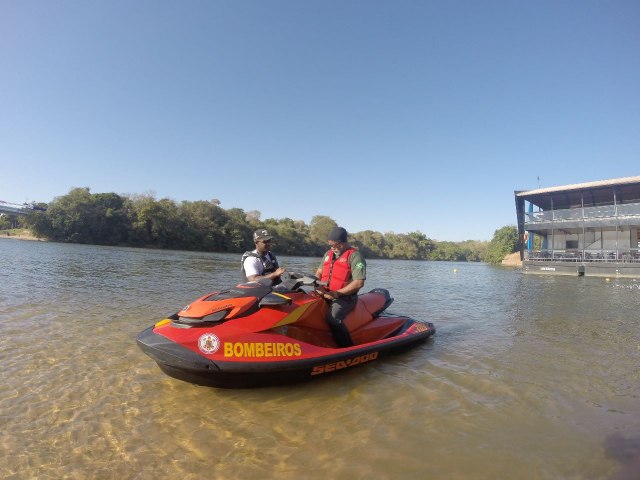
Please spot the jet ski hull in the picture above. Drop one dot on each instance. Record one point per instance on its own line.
(251, 370)
(253, 335)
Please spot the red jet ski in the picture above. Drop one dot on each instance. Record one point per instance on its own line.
(256, 335)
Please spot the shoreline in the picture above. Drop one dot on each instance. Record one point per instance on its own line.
(512, 260)
(24, 235)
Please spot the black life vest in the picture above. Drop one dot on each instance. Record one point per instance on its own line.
(269, 262)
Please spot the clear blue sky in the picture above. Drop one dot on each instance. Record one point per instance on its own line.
(391, 116)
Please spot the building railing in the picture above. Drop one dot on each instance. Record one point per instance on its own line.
(631, 255)
(572, 214)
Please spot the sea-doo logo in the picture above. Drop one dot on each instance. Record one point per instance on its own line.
(421, 327)
(224, 307)
(209, 343)
(349, 362)
(262, 349)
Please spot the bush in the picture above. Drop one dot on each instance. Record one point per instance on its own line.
(505, 241)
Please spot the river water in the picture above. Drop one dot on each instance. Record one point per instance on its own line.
(528, 377)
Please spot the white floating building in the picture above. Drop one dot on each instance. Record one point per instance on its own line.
(581, 229)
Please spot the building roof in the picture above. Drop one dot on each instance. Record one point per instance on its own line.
(593, 193)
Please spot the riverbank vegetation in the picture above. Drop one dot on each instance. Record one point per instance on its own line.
(142, 221)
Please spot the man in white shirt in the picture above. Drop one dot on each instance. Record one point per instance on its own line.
(261, 263)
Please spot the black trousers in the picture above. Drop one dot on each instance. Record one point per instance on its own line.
(338, 310)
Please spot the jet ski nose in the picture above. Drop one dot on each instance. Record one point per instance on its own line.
(167, 352)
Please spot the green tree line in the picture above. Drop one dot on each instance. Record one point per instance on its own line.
(142, 221)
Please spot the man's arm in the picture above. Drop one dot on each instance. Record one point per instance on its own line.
(351, 288)
(270, 276)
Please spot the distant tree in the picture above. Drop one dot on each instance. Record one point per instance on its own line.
(401, 246)
(163, 224)
(83, 217)
(290, 238)
(447, 251)
(423, 244)
(5, 221)
(110, 223)
(253, 217)
(319, 228)
(238, 232)
(473, 250)
(72, 216)
(39, 224)
(505, 241)
(203, 223)
(141, 220)
(371, 244)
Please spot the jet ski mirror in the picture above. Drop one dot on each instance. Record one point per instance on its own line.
(274, 299)
(211, 318)
(267, 282)
(296, 281)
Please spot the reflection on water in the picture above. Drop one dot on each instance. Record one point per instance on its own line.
(527, 377)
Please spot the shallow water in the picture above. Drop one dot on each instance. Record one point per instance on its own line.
(528, 377)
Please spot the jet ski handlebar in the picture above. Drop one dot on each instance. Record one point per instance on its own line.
(292, 281)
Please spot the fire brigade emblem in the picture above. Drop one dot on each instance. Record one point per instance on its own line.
(209, 343)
